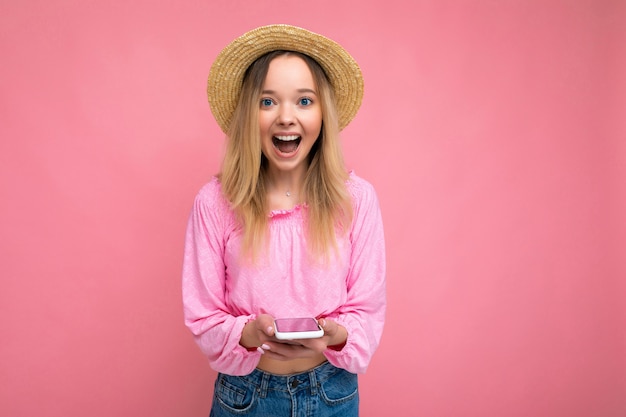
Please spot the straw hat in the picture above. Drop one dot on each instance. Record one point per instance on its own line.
(226, 75)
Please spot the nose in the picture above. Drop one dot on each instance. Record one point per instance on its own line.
(286, 115)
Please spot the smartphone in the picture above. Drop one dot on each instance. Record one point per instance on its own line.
(297, 328)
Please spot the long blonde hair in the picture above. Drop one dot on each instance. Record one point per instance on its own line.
(244, 169)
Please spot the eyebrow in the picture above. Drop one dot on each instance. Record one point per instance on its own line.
(300, 90)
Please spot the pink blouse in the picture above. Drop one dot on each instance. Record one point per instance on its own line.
(221, 293)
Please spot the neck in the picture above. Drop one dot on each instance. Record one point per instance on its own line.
(284, 190)
(288, 183)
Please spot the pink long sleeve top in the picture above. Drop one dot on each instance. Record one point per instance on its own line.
(221, 293)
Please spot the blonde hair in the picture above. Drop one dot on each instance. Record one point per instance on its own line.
(244, 168)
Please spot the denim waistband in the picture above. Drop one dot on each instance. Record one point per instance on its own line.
(308, 380)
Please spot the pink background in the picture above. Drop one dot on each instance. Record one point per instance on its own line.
(494, 132)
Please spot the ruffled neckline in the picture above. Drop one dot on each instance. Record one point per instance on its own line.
(286, 212)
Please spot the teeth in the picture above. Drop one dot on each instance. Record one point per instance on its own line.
(287, 138)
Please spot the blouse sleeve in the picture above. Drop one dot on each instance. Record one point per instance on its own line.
(216, 331)
(363, 314)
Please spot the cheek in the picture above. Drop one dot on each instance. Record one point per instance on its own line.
(314, 123)
(264, 122)
(264, 126)
(266, 144)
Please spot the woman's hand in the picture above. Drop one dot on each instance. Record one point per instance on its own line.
(261, 331)
(257, 333)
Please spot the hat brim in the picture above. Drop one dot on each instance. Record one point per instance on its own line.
(227, 72)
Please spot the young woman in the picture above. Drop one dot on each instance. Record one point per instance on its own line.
(284, 231)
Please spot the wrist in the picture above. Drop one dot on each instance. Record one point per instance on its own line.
(337, 348)
(339, 339)
(248, 339)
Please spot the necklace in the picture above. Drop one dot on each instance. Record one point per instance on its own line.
(288, 193)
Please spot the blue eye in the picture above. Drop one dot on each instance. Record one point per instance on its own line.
(266, 102)
(305, 101)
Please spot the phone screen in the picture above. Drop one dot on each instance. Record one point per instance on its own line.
(296, 325)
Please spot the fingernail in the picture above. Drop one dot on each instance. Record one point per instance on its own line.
(265, 347)
(269, 329)
(261, 351)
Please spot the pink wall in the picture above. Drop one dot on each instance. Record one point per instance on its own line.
(493, 130)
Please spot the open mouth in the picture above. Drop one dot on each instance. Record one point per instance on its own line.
(286, 144)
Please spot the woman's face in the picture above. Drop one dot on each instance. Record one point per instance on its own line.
(290, 114)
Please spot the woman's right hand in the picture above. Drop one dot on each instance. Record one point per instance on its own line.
(257, 332)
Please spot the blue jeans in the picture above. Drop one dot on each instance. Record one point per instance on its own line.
(324, 391)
